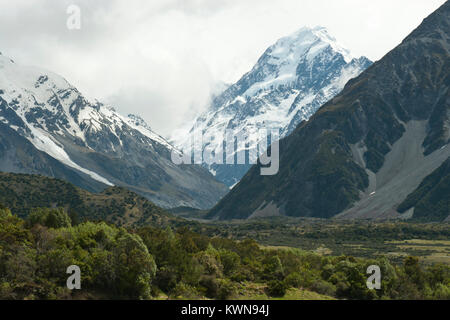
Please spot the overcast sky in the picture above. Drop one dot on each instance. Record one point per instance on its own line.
(162, 58)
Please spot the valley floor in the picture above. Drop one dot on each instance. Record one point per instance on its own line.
(394, 240)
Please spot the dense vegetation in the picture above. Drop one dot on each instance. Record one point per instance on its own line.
(23, 192)
(153, 263)
(363, 239)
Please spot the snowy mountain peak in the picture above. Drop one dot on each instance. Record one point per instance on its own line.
(282, 63)
(139, 121)
(318, 36)
(288, 84)
(308, 39)
(48, 111)
(65, 135)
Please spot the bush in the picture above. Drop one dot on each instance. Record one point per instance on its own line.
(324, 288)
(294, 280)
(226, 289)
(276, 288)
(209, 259)
(184, 291)
(230, 261)
(442, 292)
(4, 213)
(210, 286)
(272, 268)
(50, 218)
(166, 279)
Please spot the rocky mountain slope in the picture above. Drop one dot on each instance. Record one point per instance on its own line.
(48, 127)
(290, 81)
(369, 149)
(431, 200)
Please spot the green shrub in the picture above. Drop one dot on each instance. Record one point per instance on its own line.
(276, 288)
(184, 291)
(230, 261)
(294, 280)
(323, 287)
(442, 292)
(210, 261)
(227, 289)
(50, 218)
(272, 268)
(210, 286)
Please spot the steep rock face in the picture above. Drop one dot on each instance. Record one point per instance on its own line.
(90, 140)
(19, 155)
(431, 200)
(290, 81)
(365, 150)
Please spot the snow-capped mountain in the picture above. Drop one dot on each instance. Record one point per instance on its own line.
(288, 84)
(95, 143)
(380, 149)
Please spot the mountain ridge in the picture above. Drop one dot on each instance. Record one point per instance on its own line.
(289, 82)
(24, 192)
(328, 163)
(92, 139)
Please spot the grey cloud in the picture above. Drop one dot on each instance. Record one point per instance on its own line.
(162, 58)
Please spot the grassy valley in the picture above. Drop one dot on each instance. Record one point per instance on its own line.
(393, 239)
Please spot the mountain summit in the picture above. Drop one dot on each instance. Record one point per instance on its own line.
(379, 149)
(290, 81)
(48, 127)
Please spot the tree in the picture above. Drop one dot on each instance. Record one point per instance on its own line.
(230, 261)
(272, 268)
(50, 218)
(134, 264)
(414, 272)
